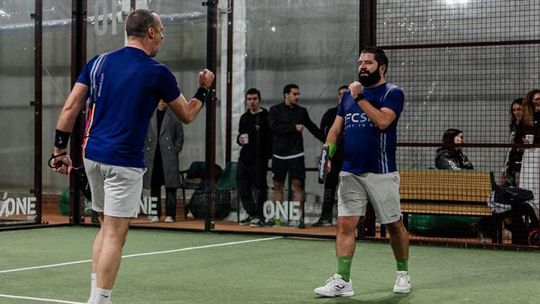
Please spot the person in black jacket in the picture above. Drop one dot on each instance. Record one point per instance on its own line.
(256, 141)
(332, 178)
(287, 121)
(450, 157)
(512, 162)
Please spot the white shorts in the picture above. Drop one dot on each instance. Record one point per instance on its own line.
(116, 190)
(381, 190)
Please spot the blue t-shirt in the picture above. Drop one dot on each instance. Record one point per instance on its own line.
(368, 148)
(125, 88)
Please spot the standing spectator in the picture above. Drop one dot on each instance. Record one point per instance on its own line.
(450, 157)
(123, 88)
(512, 163)
(287, 121)
(164, 140)
(332, 178)
(256, 141)
(368, 116)
(529, 132)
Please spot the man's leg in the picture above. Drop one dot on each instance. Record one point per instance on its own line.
(399, 240)
(114, 232)
(277, 193)
(170, 203)
(340, 283)
(244, 188)
(96, 249)
(345, 244)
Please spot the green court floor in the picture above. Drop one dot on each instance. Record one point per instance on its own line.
(52, 266)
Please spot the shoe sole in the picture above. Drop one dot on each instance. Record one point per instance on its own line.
(346, 294)
(402, 291)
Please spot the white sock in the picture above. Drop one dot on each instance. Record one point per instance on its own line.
(102, 296)
(93, 286)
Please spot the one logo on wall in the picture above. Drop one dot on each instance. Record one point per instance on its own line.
(17, 205)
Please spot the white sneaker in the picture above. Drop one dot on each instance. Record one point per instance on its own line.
(255, 223)
(169, 219)
(153, 219)
(335, 287)
(403, 282)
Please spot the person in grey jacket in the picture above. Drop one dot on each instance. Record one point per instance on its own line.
(161, 159)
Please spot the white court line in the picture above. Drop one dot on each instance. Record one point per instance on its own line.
(143, 254)
(39, 299)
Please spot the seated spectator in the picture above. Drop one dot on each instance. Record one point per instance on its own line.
(450, 157)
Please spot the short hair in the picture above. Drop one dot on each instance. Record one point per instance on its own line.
(252, 91)
(448, 137)
(138, 22)
(380, 55)
(287, 89)
(346, 87)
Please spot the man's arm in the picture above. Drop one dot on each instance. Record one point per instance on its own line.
(72, 107)
(187, 111)
(335, 131)
(184, 110)
(381, 118)
(312, 127)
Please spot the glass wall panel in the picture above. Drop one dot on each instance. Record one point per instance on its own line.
(17, 201)
(313, 43)
(183, 51)
(56, 87)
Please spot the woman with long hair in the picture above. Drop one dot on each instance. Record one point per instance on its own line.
(529, 131)
(512, 163)
(449, 156)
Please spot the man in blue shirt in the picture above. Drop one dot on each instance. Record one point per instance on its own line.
(123, 88)
(367, 117)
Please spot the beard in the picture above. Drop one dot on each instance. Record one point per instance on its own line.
(370, 79)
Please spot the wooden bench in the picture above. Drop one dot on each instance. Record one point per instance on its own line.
(446, 192)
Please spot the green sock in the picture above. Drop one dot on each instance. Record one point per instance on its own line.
(344, 267)
(402, 265)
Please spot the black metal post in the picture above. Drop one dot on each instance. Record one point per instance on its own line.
(210, 155)
(367, 37)
(228, 123)
(38, 106)
(78, 59)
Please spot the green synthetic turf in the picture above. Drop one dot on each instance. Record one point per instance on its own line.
(274, 271)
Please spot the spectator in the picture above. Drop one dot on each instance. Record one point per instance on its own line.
(287, 121)
(164, 140)
(120, 106)
(529, 131)
(256, 141)
(512, 163)
(449, 156)
(332, 178)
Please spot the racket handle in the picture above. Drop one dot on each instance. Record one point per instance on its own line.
(323, 162)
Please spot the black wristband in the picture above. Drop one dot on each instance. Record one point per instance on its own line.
(61, 139)
(359, 97)
(202, 94)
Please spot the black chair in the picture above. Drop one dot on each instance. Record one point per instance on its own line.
(195, 178)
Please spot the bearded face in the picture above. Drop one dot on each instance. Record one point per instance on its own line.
(368, 79)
